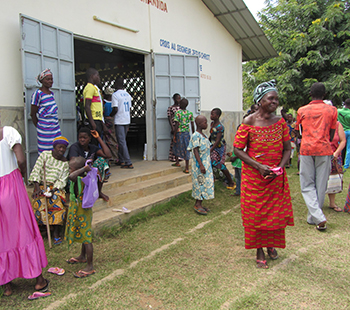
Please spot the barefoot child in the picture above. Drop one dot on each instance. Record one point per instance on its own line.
(202, 172)
(182, 120)
(218, 148)
(78, 227)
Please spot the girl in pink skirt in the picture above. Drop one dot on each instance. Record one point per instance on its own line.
(22, 252)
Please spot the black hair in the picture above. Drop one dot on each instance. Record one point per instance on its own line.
(89, 72)
(347, 102)
(85, 130)
(217, 111)
(183, 103)
(176, 94)
(318, 90)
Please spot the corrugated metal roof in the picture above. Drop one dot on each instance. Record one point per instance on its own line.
(241, 24)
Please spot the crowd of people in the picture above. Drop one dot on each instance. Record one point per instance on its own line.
(263, 146)
(82, 172)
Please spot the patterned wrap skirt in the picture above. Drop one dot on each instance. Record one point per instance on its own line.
(181, 144)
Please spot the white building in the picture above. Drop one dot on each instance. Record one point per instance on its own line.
(191, 47)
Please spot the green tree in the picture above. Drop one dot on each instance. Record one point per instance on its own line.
(312, 38)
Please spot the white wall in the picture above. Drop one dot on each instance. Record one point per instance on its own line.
(188, 23)
(191, 24)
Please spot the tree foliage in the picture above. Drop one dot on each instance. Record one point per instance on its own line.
(312, 38)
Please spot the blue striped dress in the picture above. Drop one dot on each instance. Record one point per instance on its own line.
(48, 127)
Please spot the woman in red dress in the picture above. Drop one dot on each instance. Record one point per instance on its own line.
(265, 196)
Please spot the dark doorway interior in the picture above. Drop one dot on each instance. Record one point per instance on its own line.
(111, 64)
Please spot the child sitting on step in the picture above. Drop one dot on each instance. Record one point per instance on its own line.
(78, 226)
(202, 172)
(181, 138)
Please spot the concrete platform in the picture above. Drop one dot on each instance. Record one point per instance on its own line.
(138, 189)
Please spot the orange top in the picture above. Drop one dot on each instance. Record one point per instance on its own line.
(316, 119)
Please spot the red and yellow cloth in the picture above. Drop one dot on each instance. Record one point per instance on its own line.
(265, 203)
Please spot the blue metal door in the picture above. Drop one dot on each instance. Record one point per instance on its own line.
(46, 46)
(173, 74)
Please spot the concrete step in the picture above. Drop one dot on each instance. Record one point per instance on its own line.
(107, 217)
(126, 194)
(125, 177)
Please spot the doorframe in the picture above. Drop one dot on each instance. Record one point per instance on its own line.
(150, 126)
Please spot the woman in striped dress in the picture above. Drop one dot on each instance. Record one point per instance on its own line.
(44, 112)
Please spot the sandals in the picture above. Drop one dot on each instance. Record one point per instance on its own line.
(261, 264)
(186, 171)
(57, 240)
(73, 260)
(45, 288)
(37, 295)
(200, 210)
(321, 226)
(83, 274)
(176, 165)
(56, 270)
(127, 166)
(272, 253)
(336, 209)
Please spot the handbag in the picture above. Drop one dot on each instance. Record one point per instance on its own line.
(335, 181)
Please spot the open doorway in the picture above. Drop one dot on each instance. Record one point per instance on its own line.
(112, 63)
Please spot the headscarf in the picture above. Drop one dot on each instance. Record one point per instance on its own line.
(60, 140)
(109, 90)
(262, 89)
(41, 76)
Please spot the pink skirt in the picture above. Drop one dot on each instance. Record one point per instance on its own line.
(22, 251)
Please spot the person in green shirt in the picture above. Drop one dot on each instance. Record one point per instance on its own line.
(344, 119)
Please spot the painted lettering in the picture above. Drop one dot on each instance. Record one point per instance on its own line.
(160, 5)
(164, 43)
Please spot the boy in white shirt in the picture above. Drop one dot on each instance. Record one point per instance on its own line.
(121, 104)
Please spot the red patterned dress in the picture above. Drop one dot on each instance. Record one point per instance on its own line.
(265, 203)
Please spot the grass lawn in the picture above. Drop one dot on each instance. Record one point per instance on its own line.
(173, 258)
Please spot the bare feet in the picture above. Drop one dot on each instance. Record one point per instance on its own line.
(104, 197)
(8, 289)
(41, 283)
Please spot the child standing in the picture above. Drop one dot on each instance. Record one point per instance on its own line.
(202, 172)
(237, 164)
(182, 120)
(218, 148)
(78, 227)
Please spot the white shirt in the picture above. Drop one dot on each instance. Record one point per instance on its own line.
(122, 100)
(8, 161)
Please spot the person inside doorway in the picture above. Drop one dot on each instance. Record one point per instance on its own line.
(121, 104)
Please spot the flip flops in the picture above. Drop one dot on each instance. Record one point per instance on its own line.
(56, 270)
(45, 288)
(272, 253)
(336, 209)
(321, 226)
(124, 210)
(83, 274)
(37, 295)
(73, 260)
(200, 210)
(176, 165)
(186, 171)
(261, 264)
(57, 240)
(127, 166)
